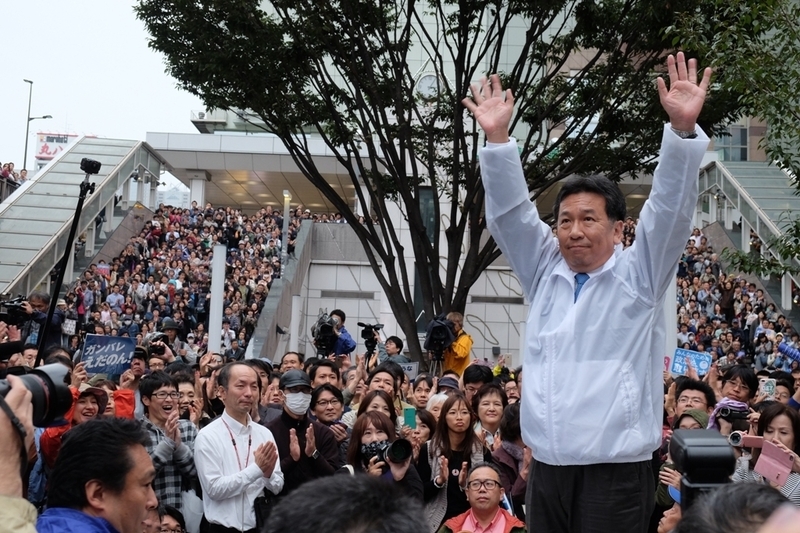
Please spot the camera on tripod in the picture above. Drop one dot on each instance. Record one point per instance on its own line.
(439, 336)
(324, 333)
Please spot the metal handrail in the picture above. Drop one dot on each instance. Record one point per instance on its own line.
(743, 195)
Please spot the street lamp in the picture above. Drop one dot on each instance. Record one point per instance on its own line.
(28, 125)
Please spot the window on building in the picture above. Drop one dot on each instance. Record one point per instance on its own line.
(732, 147)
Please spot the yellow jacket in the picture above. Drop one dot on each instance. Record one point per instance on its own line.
(456, 357)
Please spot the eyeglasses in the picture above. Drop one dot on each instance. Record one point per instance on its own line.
(167, 530)
(488, 484)
(692, 401)
(326, 403)
(162, 395)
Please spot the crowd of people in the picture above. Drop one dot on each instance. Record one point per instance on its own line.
(11, 179)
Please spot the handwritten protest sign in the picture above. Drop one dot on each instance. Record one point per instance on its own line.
(701, 361)
(411, 369)
(107, 355)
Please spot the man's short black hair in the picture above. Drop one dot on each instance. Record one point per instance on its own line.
(597, 184)
(300, 356)
(154, 381)
(700, 386)
(97, 449)
(381, 507)
(485, 464)
(391, 368)
(732, 508)
(478, 374)
(397, 342)
(312, 371)
(326, 387)
(339, 313)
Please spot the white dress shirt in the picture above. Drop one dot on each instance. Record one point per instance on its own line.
(593, 366)
(230, 486)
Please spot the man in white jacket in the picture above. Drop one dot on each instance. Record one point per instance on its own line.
(596, 313)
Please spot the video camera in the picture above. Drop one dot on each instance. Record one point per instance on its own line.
(706, 460)
(12, 312)
(324, 333)
(51, 397)
(368, 334)
(439, 336)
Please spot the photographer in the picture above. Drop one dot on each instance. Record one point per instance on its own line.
(456, 356)
(344, 342)
(391, 349)
(374, 431)
(16, 437)
(36, 307)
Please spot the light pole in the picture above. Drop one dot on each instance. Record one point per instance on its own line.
(28, 124)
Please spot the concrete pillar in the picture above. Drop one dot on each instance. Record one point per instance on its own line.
(140, 187)
(126, 195)
(197, 191)
(712, 209)
(296, 322)
(745, 236)
(91, 236)
(728, 216)
(108, 225)
(786, 292)
(153, 196)
(217, 290)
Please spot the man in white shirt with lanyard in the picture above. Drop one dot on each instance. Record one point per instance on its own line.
(596, 313)
(236, 458)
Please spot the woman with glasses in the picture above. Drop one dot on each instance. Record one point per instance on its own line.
(172, 438)
(172, 521)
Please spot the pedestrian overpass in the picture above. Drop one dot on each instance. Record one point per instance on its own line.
(36, 219)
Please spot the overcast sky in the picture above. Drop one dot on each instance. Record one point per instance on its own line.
(92, 71)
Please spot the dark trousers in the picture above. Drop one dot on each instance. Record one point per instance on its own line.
(610, 497)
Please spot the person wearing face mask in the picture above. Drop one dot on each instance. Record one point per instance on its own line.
(307, 448)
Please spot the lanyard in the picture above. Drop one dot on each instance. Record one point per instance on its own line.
(236, 449)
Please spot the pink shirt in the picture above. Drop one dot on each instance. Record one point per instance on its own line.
(498, 524)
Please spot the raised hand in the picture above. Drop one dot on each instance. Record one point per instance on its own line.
(294, 445)
(685, 97)
(492, 107)
(462, 474)
(375, 468)
(266, 456)
(311, 443)
(443, 470)
(172, 428)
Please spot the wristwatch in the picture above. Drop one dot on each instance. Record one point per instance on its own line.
(315, 454)
(684, 134)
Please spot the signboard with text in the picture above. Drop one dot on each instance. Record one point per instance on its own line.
(701, 362)
(411, 369)
(107, 355)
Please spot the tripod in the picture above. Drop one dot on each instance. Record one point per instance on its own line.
(436, 363)
(90, 167)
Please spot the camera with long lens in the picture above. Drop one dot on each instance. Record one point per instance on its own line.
(439, 336)
(324, 333)
(51, 397)
(396, 452)
(368, 334)
(12, 312)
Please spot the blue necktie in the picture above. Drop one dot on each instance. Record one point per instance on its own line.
(580, 279)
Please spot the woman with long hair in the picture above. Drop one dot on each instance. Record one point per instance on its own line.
(779, 424)
(445, 460)
(372, 433)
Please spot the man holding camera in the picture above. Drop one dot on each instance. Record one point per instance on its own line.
(595, 308)
(36, 307)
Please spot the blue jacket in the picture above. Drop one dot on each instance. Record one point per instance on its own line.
(344, 343)
(63, 520)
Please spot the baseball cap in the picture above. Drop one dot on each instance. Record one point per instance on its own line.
(295, 378)
(448, 382)
(100, 395)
